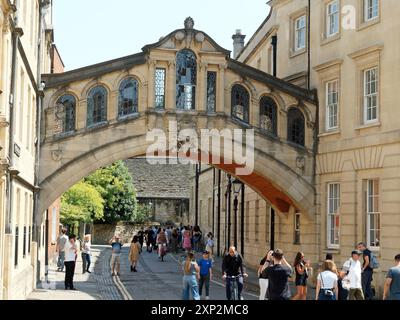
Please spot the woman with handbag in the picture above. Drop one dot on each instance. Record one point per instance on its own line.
(302, 268)
(327, 282)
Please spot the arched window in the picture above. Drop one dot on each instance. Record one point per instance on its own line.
(186, 79)
(268, 115)
(240, 103)
(97, 106)
(65, 114)
(296, 126)
(128, 97)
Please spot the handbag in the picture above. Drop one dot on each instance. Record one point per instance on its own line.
(346, 280)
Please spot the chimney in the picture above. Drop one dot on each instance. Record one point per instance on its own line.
(238, 43)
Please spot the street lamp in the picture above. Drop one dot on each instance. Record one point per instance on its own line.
(237, 187)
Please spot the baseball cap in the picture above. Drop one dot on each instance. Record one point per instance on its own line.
(205, 252)
(356, 252)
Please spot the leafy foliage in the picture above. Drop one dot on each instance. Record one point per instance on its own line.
(81, 203)
(115, 185)
(143, 214)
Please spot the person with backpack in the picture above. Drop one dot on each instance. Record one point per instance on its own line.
(351, 276)
(368, 265)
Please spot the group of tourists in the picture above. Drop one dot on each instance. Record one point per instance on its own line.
(352, 282)
(68, 248)
(187, 238)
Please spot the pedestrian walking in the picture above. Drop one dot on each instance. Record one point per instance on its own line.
(190, 275)
(86, 253)
(197, 238)
(278, 272)
(210, 244)
(205, 264)
(301, 267)
(134, 253)
(367, 270)
(262, 275)
(327, 287)
(392, 284)
(149, 240)
(351, 275)
(174, 241)
(162, 242)
(71, 250)
(60, 248)
(140, 238)
(116, 246)
(187, 246)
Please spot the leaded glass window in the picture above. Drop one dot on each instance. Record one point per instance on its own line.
(296, 126)
(211, 91)
(186, 78)
(240, 103)
(160, 88)
(128, 97)
(268, 115)
(65, 114)
(97, 106)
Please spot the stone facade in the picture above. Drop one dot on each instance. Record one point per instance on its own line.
(164, 187)
(22, 238)
(358, 158)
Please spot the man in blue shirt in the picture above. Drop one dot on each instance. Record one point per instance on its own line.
(116, 246)
(205, 264)
(392, 285)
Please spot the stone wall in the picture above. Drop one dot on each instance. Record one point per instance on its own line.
(102, 233)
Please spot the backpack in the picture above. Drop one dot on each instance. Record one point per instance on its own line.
(373, 262)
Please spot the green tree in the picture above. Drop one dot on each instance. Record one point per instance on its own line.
(81, 203)
(115, 185)
(142, 214)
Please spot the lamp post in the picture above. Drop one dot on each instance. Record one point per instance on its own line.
(237, 187)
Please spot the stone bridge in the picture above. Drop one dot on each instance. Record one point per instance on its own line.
(102, 113)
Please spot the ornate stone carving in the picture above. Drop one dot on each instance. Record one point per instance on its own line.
(189, 23)
(179, 36)
(56, 155)
(300, 162)
(199, 37)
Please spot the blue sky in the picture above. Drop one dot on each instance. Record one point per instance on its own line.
(92, 31)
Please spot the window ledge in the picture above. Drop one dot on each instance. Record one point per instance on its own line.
(329, 133)
(97, 125)
(368, 125)
(328, 39)
(367, 24)
(64, 135)
(294, 54)
(129, 117)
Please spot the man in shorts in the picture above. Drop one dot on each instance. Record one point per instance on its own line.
(116, 245)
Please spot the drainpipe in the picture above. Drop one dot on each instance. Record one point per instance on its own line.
(309, 49)
(229, 197)
(219, 213)
(242, 220)
(274, 43)
(196, 205)
(213, 202)
(17, 33)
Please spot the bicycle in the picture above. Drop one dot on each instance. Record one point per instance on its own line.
(234, 286)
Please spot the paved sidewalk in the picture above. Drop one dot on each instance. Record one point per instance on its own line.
(98, 285)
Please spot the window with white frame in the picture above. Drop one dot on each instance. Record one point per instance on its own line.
(333, 220)
(332, 104)
(332, 11)
(371, 95)
(373, 214)
(371, 9)
(300, 33)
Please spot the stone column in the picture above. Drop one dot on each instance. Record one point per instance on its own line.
(112, 111)
(221, 89)
(81, 114)
(201, 90)
(170, 86)
(151, 79)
